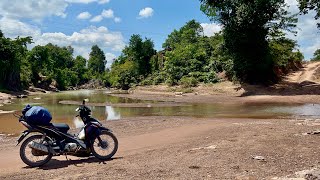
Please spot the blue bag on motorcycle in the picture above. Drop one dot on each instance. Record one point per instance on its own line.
(38, 115)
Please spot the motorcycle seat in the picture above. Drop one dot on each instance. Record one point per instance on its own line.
(61, 127)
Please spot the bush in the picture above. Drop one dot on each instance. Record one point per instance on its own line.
(169, 82)
(187, 82)
(211, 77)
(146, 82)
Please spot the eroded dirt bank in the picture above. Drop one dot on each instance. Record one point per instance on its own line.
(187, 148)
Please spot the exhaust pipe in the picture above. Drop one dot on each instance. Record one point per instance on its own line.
(38, 146)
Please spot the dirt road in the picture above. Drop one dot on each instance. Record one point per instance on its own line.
(308, 73)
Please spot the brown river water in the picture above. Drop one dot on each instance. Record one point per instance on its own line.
(66, 113)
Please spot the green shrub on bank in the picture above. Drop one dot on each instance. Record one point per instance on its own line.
(187, 82)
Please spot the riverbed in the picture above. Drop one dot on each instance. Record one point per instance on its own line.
(107, 107)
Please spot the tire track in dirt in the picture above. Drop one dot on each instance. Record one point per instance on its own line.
(305, 74)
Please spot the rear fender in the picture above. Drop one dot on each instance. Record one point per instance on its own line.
(22, 136)
(25, 133)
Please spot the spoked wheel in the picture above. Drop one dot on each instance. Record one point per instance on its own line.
(104, 146)
(32, 156)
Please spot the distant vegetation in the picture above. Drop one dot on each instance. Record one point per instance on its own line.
(316, 55)
(252, 48)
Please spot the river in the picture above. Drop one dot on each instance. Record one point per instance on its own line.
(66, 113)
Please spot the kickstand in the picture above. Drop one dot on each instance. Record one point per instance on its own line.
(67, 157)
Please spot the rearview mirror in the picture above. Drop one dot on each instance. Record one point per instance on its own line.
(84, 101)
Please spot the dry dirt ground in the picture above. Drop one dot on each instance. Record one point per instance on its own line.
(188, 148)
(199, 148)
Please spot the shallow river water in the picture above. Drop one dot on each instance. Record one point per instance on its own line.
(66, 113)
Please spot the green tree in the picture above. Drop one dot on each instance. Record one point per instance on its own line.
(189, 33)
(124, 75)
(316, 55)
(51, 62)
(80, 69)
(192, 56)
(284, 51)
(12, 52)
(97, 61)
(306, 5)
(140, 51)
(133, 65)
(247, 25)
(38, 58)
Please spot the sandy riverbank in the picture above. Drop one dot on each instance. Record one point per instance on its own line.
(5, 99)
(224, 92)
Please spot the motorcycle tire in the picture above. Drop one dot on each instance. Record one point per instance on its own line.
(100, 145)
(27, 160)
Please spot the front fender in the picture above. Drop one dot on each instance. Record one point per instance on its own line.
(105, 129)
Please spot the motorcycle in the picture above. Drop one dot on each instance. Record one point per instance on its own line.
(46, 141)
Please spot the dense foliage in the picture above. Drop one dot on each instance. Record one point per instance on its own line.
(251, 47)
(48, 66)
(247, 25)
(13, 53)
(188, 58)
(134, 64)
(316, 55)
(97, 61)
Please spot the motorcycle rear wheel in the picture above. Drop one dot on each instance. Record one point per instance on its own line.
(104, 146)
(33, 157)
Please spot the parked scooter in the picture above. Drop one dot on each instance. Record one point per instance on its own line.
(53, 139)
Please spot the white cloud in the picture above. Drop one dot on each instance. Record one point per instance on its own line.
(117, 19)
(81, 1)
(88, 1)
(13, 28)
(107, 13)
(84, 15)
(103, 1)
(81, 41)
(308, 35)
(97, 18)
(146, 12)
(32, 9)
(210, 29)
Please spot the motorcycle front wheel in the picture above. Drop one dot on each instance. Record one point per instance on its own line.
(104, 146)
(31, 156)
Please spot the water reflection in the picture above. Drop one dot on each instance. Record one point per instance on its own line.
(112, 114)
(310, 110)
(65, 113)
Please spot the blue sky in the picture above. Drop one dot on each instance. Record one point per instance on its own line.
(110, 23)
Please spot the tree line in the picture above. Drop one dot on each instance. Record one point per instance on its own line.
(45, 66)
(252, 47)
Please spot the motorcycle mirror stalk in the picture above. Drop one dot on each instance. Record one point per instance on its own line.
(84, 101)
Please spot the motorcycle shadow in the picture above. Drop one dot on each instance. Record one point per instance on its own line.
(58, 164)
